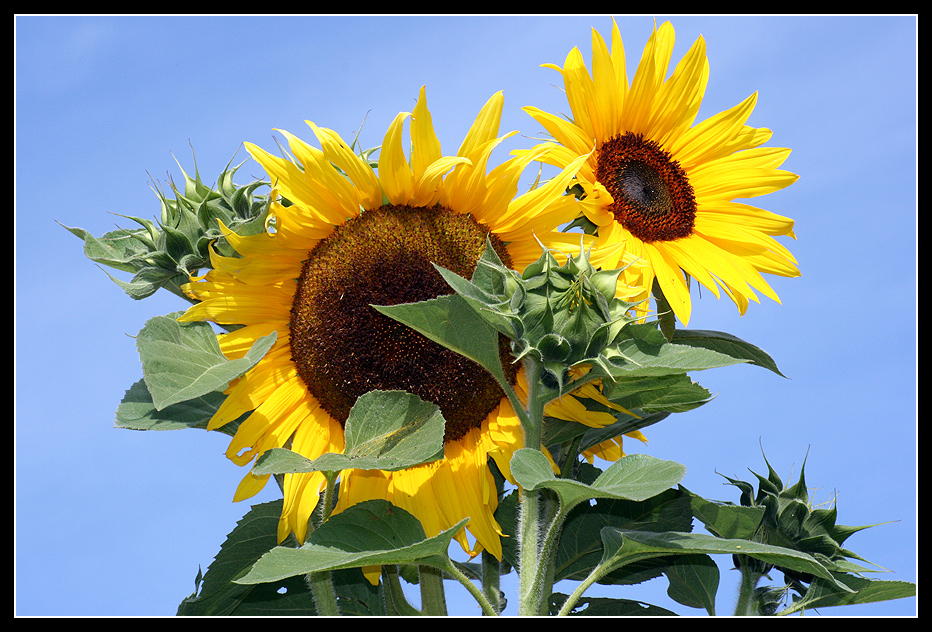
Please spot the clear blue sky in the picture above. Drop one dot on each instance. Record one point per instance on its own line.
(116, 522)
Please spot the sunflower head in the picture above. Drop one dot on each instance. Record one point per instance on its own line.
(658, 188)
(341, 238)
(343, 348)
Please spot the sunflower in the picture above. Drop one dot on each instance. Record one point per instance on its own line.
(660, 189)
(341, 238)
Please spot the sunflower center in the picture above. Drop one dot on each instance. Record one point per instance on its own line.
(343, 348)
(652, 195)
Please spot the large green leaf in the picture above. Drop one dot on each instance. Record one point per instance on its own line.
(385, 430)
(727, 344)
(671, 393)
(637, 357)
(608, 607)
(823, 593)
(451, 322)
(218, 595)
(726, 520)
(371, 533)
(693, 581)
(562, 430)
(634, 477)
(580, 547)
(138, 412)
(623, 547)
(183, 361)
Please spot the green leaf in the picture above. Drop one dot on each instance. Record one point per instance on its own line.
(727, 344)
(137, 412)
(560, 430)
(217, 595)
(451, 322)
(670, 393)
(255, 535)
(608, 607)
(476, 297)
(726, 520)
(623, 547)
(635, 357)
(823, 593)
(371, 533)
(634, 477)
(580, 547)
(385, 430)
(183, 361)
(693, 581)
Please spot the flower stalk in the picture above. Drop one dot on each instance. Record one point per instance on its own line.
(491, 585)
(747, 604)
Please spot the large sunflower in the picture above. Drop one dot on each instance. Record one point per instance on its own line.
(341, 239)
(661, 189)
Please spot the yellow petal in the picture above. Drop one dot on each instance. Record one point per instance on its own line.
(485, 127)
(425, 146)
(394, 172)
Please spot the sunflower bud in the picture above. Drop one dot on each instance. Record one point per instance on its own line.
(789, 520)
(191, 221)
(561, 315)
(167, 253)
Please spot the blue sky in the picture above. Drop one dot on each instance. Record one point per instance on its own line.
(116, 522)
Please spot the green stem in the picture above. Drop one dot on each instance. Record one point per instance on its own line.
(396, 604)
(491, 583)
(321, 582)
(747, 605)
(529, 588)
(593, 577)
(325, 598)
(481, 597)
(326, 507)
(433, 599)
(537, 397)
(528, 591)
(548, 552)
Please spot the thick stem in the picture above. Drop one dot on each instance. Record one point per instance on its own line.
(325, 598)
(321, 582)
(536, 399)
(396, 604)
(433, 598)
(528, 590)
(491, 582)
(529, 587)
(747, 605)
